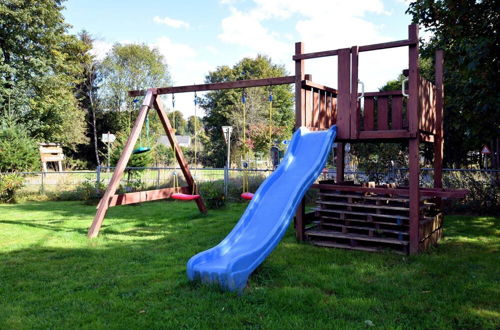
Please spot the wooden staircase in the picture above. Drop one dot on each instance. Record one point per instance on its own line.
(366, 221)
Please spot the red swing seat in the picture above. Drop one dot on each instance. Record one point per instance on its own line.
(247, 195)
(184, 197)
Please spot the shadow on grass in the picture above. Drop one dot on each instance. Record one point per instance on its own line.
(134, 276)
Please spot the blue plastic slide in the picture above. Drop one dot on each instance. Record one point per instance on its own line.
(266, 219)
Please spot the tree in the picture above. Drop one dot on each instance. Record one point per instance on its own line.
(18, 152)
(225, 107)
(40, 64)
(178, 122)
(129, 67)
(467, 30)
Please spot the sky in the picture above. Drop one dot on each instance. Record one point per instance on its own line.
(196, 37)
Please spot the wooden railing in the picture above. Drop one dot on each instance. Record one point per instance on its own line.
(320, 103)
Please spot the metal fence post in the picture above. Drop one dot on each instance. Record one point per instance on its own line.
(226, 179)
(158, 178)
(97, 179)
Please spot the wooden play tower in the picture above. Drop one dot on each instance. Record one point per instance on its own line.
(369, 218)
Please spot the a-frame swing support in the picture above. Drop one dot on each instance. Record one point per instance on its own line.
(110, 197)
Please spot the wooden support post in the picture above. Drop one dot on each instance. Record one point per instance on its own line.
(414, 192)
(299, 221)
(120, 167)
(340, 163)
(355, 105)
(439, 139)
(344, 94)
(300, 107)
(178, 153)
(413, 79)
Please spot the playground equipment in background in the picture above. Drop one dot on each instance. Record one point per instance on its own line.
(348, 215)
(51, 153)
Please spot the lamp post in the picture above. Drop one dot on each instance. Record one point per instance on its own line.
(108, 139)
(226, 131)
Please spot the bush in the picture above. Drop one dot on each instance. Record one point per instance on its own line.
(18, 152)
(484, 192)
(85, 191)
(213, 194)
(9, 185)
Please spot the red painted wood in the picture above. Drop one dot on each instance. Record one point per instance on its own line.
(366, 48)
(439, 139)
(300, 104)
(385, 93)
(414, 192)
(322, 110)
(339, 163)
(425, 192)
(300, 214)
(368, 122)
(354, 104)
(217, 86)
(184, 197)
(146, 196)
(413, 78)
(343, 96)
(386, 134)
(397, 112)
(426, 106)
(316, 108)
(308, 84)
(382, 113)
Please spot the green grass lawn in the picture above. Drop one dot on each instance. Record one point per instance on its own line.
(134, 275)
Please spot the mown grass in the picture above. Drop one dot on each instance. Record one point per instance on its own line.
(133, 275)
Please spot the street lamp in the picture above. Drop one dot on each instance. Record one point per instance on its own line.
(226, 131)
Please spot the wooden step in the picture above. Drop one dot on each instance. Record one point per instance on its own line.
(371, 206)
(349, 247)
(376, 230)
(365, 221)
(362, 213)
(357, 237)
(376, 198)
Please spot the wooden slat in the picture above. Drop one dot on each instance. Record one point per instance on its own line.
(316, 109)
(376, 198)
(382, 113)
(387, 134)
(413, 78)
(439, 140)
(343, 96)
(323, 111)
(218, 86)
(397, 112)
(369, 119)
(308, 84)
(425, 192)
(300, 105)
(378, 222)
(334, 234)
(380, 215)
(369, 206)
(384, 93)
(366, 48)
(354, 103)
(146, 196)
(380, 230)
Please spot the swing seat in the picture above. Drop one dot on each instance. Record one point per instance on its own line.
(141, 150)
(184, 197)
(247, 195)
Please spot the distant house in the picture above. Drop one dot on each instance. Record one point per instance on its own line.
(182, 140)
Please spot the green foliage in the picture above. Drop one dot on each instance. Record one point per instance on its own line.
(129, 67)
(40, 64)
(9, 185)
(144, 159)
(225, 107)
(136, 268)
(468, 33)
(18, 152)
(178, 122)
(213, 194)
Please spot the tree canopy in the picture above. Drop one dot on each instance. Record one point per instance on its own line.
(467, 30)
(40, 64)
(225, 107)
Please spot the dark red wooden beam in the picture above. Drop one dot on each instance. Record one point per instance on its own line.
(146, 196)
(218, 86)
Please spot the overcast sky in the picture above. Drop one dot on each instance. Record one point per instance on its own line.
(196, 37)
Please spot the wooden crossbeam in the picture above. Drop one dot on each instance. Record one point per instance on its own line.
(146, 196)
(217, 86)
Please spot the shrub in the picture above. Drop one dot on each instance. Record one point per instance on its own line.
(85, 191)
(18, 152)
(9, 185)
(213, 194)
